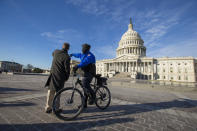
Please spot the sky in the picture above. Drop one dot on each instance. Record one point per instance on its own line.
(30, 30)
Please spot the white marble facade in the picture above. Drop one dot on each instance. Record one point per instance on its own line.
(131, 58)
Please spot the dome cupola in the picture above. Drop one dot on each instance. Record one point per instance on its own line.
(131, 43)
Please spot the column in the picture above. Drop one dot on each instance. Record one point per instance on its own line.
(132, 66)
(137, 66)
(105, 67)
(115, 66)
(140, 51)
(122, 66)
(137, 51)
(144, 67)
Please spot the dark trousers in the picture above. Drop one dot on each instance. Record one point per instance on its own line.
(86, 84)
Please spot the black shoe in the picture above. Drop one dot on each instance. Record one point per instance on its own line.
(91, 102)
(59, 111)
(85, 106)
(48, 111)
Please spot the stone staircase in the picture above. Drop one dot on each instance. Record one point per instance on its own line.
(122, 75)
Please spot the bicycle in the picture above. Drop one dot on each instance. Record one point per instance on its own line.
(73, 95)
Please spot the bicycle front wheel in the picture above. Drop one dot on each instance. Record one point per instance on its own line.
(103, 97)
(70, 101)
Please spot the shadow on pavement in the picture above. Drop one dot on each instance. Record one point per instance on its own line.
(122, 110)
(16, 104)
(66, 126)
(6, 90)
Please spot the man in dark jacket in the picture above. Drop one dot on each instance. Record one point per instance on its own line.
(60, 71)
(87, 65)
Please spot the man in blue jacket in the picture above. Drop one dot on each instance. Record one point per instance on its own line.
(87, 65)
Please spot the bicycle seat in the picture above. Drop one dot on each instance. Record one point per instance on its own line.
(97, 75)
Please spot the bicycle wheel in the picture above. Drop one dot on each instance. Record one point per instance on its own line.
(71, 106)
(103, 97)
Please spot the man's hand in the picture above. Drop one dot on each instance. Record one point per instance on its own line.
(71, 55)
(75, 68)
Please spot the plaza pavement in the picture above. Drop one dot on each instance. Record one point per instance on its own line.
(22, 101)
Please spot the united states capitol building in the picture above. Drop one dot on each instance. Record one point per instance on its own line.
(131, 60)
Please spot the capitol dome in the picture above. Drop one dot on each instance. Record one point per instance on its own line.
(131, 44)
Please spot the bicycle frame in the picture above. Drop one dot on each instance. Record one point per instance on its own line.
(74, 86)
(78, 81)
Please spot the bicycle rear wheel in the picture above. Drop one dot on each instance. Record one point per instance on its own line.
(103, 97)
(71, 102)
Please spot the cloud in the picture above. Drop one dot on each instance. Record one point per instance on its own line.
(161, 22)
(185, 48)
(105, 52)
(90, 6)
(113, 9)
(154, 22)
(60, 36)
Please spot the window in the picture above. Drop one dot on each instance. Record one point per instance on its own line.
(171, 78)
(171, 69)
(164, 77)
(186, 77)
(164, 70)
(185, 70)
(179, 77)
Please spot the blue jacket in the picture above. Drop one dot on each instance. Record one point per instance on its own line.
(86, 59)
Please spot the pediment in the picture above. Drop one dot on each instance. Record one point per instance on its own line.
(125, 57)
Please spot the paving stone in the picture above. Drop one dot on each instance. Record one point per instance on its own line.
(187, 128)
(119, 127)
(122, 115)
(129, 129)
(110, 129)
